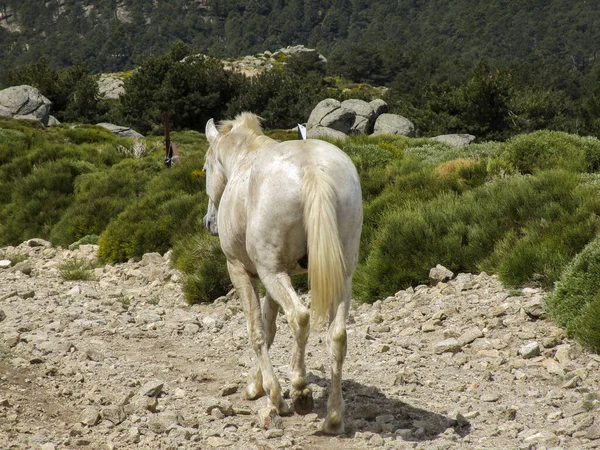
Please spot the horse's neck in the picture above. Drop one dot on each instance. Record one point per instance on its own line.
(239, 160)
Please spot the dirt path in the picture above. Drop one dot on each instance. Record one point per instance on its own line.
(122, 362)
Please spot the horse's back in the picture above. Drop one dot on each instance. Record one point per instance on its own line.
(275, 202)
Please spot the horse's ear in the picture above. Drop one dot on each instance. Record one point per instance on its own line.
(211, 131)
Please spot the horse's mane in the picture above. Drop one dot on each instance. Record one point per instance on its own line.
(248, 124)
(244, 121)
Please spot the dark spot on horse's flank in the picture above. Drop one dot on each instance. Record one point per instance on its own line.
(303, 262)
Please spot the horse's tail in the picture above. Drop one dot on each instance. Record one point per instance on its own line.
(326, 266)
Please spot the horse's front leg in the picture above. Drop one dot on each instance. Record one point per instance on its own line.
(246, 287)
(270, 309)
(337, 345)
(280, 287)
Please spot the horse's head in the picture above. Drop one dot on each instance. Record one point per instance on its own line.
(215, 177)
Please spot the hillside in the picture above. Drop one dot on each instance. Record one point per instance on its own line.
(116, 35)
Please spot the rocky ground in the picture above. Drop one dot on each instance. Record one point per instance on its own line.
(123, 362)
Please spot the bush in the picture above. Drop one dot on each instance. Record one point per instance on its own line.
(39, 199)
(200, 258)
(544, 150)
(75, 269)
(101, 196)
(462, 231)
(575, 303)
(151, 224)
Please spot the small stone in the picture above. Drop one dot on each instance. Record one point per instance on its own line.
(179, 433)
(94, 355)
(555, 416)
(273, 433)
(472, 414)
(241, 411)
(23, 267)
(27, 294)
(404, 433)
(383, 348)
(447, 345)
(223, 405)
(2, 315)
(134, 435)
(554, 368)
(470, 335)
(440, 274)
(230, 389)
(161, 422)
(38, 243)
(90, 417)
(114, 413)
(572, 383)
(563, 353)
(48, 446)
(151, 388)
(593, 432)
(191, 329)
(430, 325)
(217, 414)
(530, 350)
(490, 397)
(217, 442)
(268, 418)
(534, 308)
(5, 263)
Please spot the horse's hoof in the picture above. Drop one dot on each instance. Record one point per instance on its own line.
(303, 401)
(284, 409)
(334, 427)
(254, 392)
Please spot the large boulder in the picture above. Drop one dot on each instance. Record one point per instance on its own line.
(455, 140)
(329, 113)
(394, 124)
(121, 131)
(324, 132)
(379, 107)
(24, 102)
(364, 116)
(110, 86)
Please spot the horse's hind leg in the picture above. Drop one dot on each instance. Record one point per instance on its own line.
(337, 344)
(280, 287)
(270, 309)
(248, 292)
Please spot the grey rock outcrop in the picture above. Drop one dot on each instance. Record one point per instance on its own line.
(455, 140)
(121, 131)
(110, 86)
(379, 107)
(364, 116)
(330, 113)
(324, 132)
(24, 102)
(394, 124)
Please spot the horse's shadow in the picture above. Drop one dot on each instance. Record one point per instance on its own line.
(370, 410)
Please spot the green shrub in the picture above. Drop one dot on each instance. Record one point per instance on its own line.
(575, 303)
(462, 231)
(101, 196)
(200, 258)
(75, 269)
(88, 134)
(39, 200)
(552, 150)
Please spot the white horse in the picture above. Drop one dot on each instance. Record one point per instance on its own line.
(280, 209)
